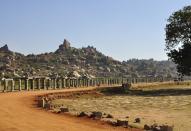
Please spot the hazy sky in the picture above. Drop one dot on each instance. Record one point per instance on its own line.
(122, 29)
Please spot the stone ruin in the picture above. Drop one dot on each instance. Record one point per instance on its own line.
(5, 48)
(65, 46)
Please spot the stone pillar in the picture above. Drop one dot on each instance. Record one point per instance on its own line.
(63, 83)
(0, 85)
(5, 85)
(60, 83)
(80, 82)
(103, 81)
(109, 81)
(44, 83)
(20, 84)
(72, 82)
(69, 82)
(12, 85)
(27, 84)
(96, 82)
(66, 83)
(50, 83)
(93, 82)
(32, 83)
(134, 80)
(87, 82)
(38, 83)
(84, 82)
(75, 83)
(55, 83)
(162, 79)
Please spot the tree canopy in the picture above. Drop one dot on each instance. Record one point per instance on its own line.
(178, 39)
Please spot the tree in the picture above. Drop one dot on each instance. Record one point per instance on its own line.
(178, 39)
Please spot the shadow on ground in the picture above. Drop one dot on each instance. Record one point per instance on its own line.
(154, 92)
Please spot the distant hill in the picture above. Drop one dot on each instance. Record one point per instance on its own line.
(71, 61)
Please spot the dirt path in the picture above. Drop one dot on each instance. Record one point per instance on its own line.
(18, 113)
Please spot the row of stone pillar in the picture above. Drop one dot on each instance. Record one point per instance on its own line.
(53, 83)
(60, 83)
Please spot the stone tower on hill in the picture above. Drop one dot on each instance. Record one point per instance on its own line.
(65, 46)
(5, 48)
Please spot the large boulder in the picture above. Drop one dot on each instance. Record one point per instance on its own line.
(63, 109)
(123, 123)
(96, 115)
(156, 127)
(137, 120)
(109, 116)
(147, 127)
(83, 114)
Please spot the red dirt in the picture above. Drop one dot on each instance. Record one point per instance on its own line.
(18, 112)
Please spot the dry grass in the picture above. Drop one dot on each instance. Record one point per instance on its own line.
(168, 109)
(155, 85)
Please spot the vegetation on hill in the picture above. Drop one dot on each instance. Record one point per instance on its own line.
(73, 62)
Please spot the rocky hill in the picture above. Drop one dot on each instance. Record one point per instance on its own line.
(73, 62)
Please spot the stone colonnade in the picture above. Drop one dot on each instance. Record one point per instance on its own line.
(47, 83)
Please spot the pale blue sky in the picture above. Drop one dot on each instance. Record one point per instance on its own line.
(122, 29)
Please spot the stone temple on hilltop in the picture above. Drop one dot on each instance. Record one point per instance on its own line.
(66, 45)
(5, 48)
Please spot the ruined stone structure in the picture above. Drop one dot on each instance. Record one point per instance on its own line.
(48, 83)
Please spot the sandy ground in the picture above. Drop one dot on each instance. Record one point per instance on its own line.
(18, 112)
